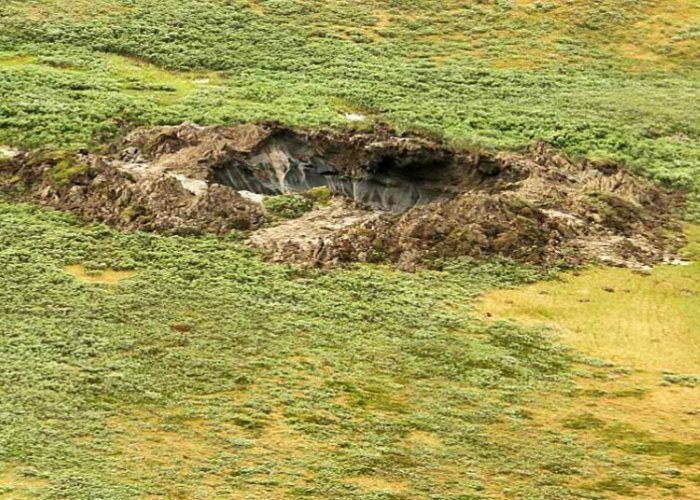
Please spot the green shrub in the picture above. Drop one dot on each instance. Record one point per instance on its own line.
(584, 421)
(288, 206)
(319, 195)
(684, 380)
(66, 170)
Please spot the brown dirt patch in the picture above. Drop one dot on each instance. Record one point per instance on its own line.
(409, 199)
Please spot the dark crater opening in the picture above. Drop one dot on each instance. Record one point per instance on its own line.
(388, 179)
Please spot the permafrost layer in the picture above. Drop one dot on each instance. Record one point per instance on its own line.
(284, 165)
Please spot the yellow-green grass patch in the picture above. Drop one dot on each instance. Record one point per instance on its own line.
(11, 60)
(169, 87)
(108, 276)
(649, 320)
(20, 483)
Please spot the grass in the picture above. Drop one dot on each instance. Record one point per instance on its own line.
(169, 87)
(608, 80)
(649, 321)
(103, 276)
(136, 365)
(208, 370)
(20, 483)
(208, 373)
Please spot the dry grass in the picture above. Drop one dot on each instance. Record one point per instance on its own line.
(257, 7)
(101, 277)
(383, 19)
(423, 439)
(640, 400)
(630, 409)
(18, 484)
(152, 447)
(659, 35)
(650, 322)
(656, 35)
(176, 445)
(378, 484)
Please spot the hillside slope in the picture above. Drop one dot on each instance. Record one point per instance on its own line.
(605, 79)
(179, 364)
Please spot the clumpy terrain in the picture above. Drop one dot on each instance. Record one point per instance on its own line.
(403, 199)
(608, 79)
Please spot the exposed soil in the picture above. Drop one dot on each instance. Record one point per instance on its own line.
(402, 199)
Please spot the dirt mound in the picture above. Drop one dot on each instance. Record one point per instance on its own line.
(128, 196)
(401, 199)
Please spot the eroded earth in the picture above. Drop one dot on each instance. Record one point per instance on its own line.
(406, 199)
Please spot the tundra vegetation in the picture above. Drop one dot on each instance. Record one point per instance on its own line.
(606, 79)
(136, 365)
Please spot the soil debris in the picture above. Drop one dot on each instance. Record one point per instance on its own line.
(405, 199)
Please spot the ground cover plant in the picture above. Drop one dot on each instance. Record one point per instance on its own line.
(647, 319)
(614, 80)
(137, 364)
(643, 320)
(140, 365)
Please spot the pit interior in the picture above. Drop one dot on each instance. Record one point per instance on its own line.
(386, 181)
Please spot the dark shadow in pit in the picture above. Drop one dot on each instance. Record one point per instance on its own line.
(388, 182)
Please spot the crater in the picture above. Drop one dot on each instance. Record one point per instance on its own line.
(285, 164)
(405, 199)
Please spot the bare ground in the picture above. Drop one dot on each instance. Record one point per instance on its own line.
(408, 199)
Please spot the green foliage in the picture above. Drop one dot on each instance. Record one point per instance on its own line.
(638, 442)
(584, 421)
(682, 453)
(288, 206)
(319, 195)
(684, 380)
(493, 74)
(206, 336)
(206, 341)
(66, 170)
(615, 485)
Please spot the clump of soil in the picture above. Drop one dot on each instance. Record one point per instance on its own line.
(402, 199)
(126, 195)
